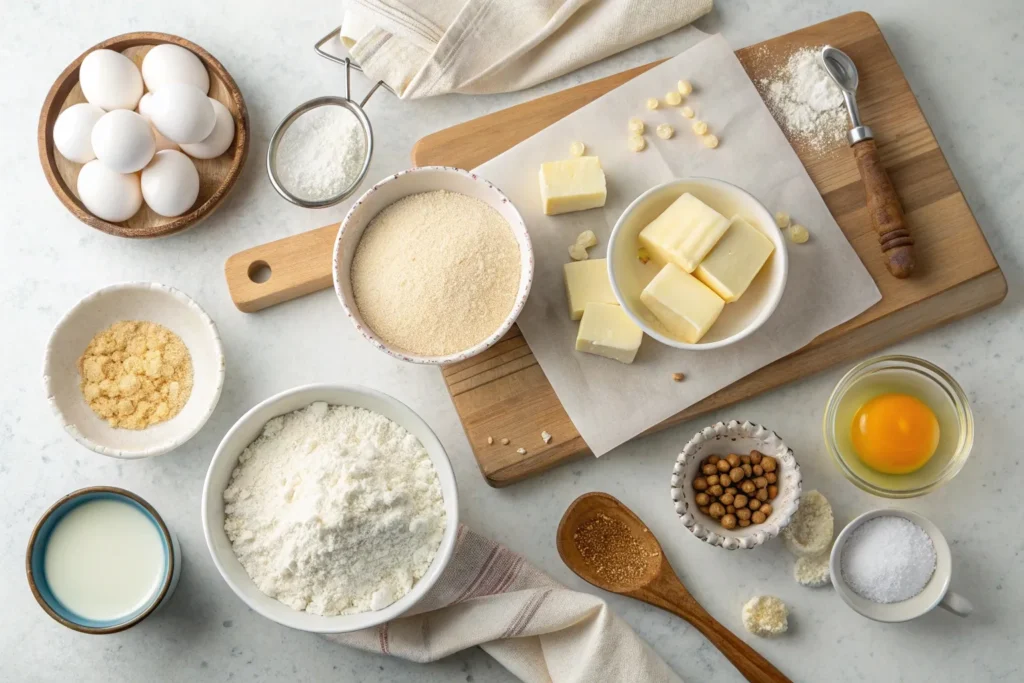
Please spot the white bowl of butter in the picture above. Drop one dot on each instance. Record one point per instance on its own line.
(630, 274)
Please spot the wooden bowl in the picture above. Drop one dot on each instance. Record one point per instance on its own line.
(216, 176)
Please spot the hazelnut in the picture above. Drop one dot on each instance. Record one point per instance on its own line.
(755, 457)
(771, 477)
(728, 521)
(743, 513)
(753, 504)
(769, 464)
(747, 487)
(766, 510)
(716, 490)
(700, 484)
(708, 469)
(740, 501)
(702, 499)
(744, 460)
(761, 495)
(723, 466)
(712, 479)
(736, 474)
(704, 509)
(712, 460)
(758, 470)
(773, 491)
(734, 460)
(730, 509)
(727, 499)
(716, 510)
(760, 482)
(731, 489)
(748, 470)
(744, 522)
(724, 479)
(758, 517)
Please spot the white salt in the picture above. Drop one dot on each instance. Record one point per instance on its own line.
(888, 559)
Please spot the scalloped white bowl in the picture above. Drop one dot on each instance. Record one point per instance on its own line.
(735, 437)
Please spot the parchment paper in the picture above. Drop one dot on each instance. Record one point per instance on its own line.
(610, 402)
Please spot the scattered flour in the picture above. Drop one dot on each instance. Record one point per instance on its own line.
(334, 510)
(805, 102)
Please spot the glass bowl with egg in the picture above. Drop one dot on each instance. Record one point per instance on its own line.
(898, 426)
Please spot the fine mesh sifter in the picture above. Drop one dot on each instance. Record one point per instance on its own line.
(345, 107)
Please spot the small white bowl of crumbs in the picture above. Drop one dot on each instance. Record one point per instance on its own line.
(134, 370)
(433, 265)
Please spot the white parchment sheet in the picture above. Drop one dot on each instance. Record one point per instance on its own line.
(610, 402)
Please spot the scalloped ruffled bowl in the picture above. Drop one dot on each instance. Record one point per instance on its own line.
(740, 438)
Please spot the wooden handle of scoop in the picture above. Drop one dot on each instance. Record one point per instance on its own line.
(885, 210)
(296, 265)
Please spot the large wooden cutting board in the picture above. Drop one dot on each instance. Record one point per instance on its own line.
(503, 394)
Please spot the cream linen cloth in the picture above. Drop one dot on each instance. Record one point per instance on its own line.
(536, 628)
(424, 48)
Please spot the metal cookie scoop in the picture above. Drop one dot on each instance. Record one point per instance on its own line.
(883, 203)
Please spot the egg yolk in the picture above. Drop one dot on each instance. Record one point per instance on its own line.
(895, 433)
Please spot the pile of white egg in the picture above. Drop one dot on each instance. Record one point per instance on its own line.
(136, 132)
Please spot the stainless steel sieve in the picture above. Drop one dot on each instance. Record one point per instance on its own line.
(346, 102)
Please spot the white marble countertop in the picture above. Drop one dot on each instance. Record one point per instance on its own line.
(955, 56)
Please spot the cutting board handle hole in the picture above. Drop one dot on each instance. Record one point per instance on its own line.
(259, 272)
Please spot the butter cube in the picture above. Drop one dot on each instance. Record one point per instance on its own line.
(587, 282)
(735, 261)
(682, 303)
(572, 185)
(606, 330)
(684, 233)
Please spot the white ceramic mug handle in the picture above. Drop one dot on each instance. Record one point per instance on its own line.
(957, 604)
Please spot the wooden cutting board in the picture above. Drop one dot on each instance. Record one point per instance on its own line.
(503, 394)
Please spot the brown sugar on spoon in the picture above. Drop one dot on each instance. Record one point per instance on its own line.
(610, 548)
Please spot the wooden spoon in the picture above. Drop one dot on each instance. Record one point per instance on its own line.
(658, 586)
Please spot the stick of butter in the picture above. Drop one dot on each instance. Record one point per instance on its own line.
(682, 303)
(572, 185)
(684, 233)
(735, 261)
(587, 282)
(606, 330)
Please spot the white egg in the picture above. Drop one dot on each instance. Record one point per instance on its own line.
(173, 64)
(170, 184)
(182, 112)
(123, 141)
(109, 195)
(72, 132)
(218, 141)
(162, 142)
(110, 80)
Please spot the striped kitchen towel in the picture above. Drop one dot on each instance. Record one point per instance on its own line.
(536, 628)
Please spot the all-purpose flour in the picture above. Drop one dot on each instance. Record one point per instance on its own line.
(334, 510)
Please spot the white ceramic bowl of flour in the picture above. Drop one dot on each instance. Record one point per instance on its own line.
(416, 181)
(245, 432)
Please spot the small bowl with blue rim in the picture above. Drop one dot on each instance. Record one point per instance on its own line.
(35, 562)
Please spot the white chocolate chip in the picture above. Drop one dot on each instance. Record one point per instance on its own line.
(652, 103)
(521, 451)
(490, 440)
(798, 233)
(504, 442)
(673, 99)
(710, 141)
(699, 127)
(782, 220)
(636, 126)
(587, 239)
(577, 148)
(687, 112)
(578, 252)
(665, 131)
(637, 143)
(546, 437)
(684, 87)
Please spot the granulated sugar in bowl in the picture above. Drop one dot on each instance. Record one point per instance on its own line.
(433, 265)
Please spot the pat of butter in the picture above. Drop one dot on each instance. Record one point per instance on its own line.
(572, 185)
(606, 330)
(684, 233)
(587, 282)
(736, 260)
(682, 303)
